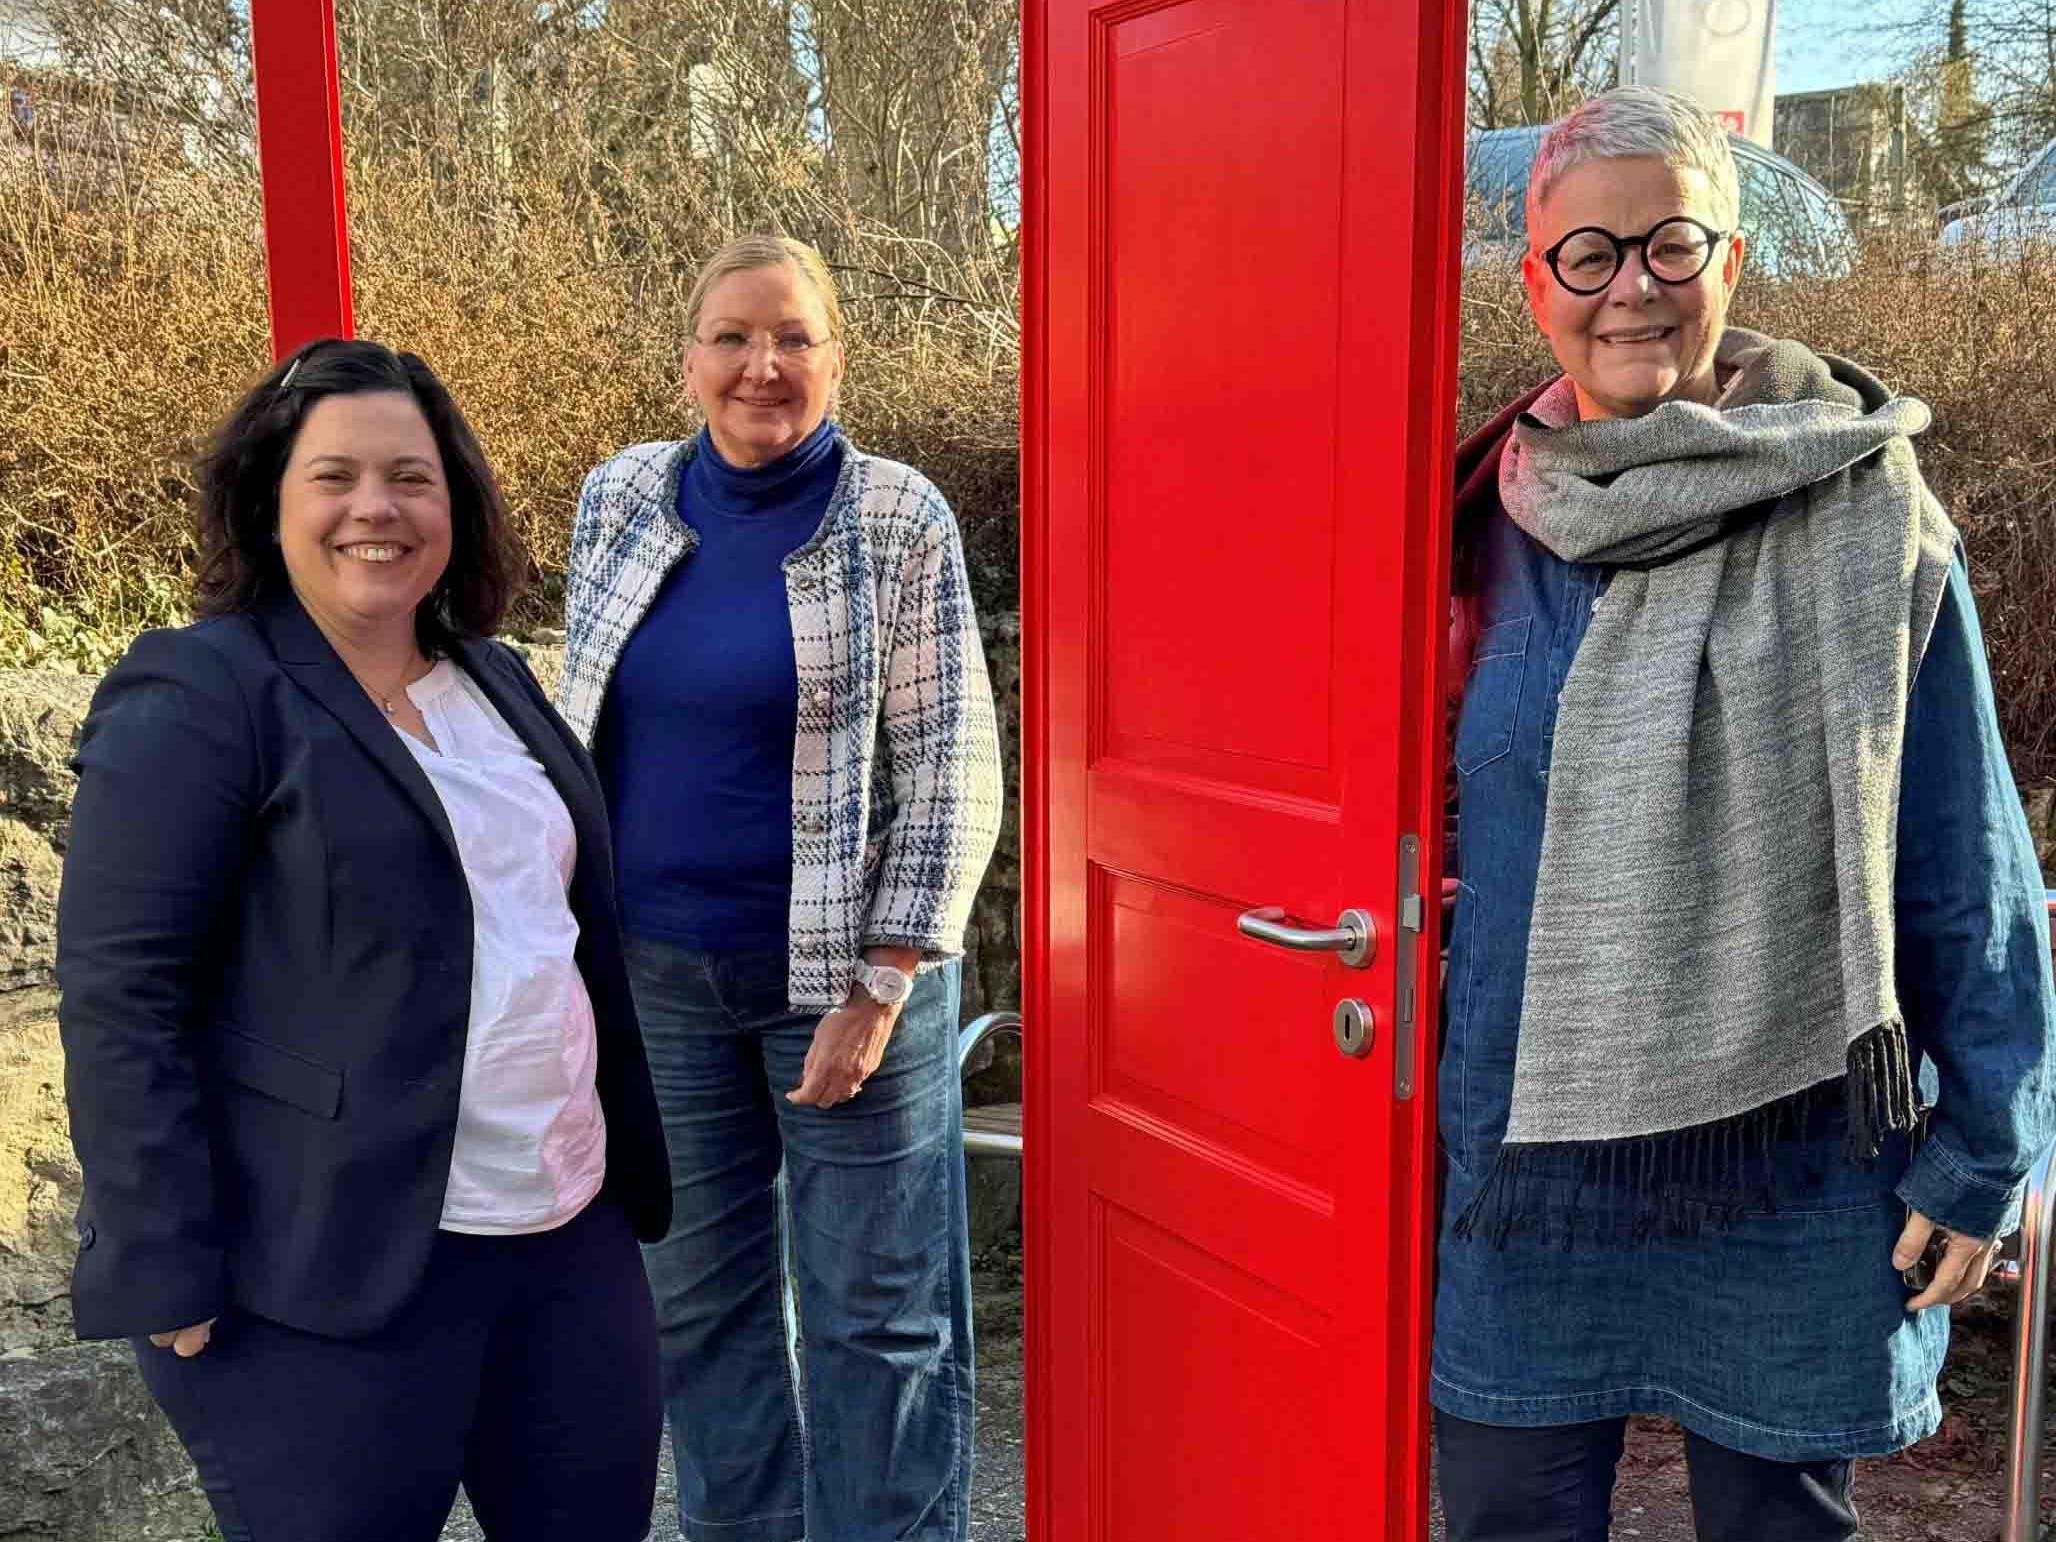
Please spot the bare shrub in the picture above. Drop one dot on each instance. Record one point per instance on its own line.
(128, 312)
(132, 309)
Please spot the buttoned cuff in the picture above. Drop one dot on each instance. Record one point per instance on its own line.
(1941, 1186)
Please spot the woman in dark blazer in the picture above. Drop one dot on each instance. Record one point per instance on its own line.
(354, 1072)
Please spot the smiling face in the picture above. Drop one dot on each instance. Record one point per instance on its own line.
(364, 514)
(762, 399)
(1638, 343)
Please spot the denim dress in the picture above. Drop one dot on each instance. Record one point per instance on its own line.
(1784, 1334)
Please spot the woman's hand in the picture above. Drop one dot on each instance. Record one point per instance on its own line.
(1959, 1272)
(848, 1044)
(185, 1342)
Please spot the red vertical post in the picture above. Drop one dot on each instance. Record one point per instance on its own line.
(300, 149)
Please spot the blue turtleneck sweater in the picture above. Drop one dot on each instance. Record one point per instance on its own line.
(695, 742)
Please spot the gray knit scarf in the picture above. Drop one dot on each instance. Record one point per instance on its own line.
(1712, 936)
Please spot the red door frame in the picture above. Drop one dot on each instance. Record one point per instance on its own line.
(1032, 586)
(300, 153)
(308, 267)
(1439, 104)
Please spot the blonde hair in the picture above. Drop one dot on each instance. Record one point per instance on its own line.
(745, 254)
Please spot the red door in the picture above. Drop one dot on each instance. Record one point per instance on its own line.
(1242, 226)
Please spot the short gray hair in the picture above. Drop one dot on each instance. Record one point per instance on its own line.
(1631, 121)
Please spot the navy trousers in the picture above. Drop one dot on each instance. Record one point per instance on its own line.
(1555, 1484)
(525, 1368)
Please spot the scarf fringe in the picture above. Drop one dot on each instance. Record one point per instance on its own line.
(1676, 1183)
(1882, 1099)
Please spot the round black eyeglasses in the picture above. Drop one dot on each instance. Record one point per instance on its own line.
(1675, 251)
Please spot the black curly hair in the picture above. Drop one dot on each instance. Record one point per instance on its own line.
(240, 563)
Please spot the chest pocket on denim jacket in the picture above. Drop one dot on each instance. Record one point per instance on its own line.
(1492, 695)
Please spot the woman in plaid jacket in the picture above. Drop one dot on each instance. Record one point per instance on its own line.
(773, 656)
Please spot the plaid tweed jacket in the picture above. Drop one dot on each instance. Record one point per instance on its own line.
(896, 765)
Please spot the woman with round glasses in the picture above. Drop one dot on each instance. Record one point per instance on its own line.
(772, 652)
(1748, 1017)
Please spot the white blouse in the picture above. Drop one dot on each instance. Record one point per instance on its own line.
(531, 1145)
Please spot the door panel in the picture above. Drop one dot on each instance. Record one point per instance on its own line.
(1210, 376)
(1189, 1006)
(1170, 1475)
(1239, 276)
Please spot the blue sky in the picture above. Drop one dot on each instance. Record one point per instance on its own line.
(1818, 45)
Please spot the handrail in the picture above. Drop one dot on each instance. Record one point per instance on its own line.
(969, 1040)
(2022, 1521)
(2030, 1359)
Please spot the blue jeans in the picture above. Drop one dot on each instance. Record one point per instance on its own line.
(814, 1295)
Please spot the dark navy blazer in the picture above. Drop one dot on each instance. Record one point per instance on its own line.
(264, 942)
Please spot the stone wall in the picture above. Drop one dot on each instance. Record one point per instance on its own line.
(39, 718)
(84, 1454)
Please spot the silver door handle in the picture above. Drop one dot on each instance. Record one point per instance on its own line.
(1353, 938)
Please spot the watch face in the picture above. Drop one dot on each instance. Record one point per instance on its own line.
(886, 984)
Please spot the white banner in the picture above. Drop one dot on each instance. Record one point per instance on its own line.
(1718, 52)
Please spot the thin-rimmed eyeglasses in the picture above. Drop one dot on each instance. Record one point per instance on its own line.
(732, 346)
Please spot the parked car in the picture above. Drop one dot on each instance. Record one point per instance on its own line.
(2024, 212)
(1963, 208)
(1791, 223)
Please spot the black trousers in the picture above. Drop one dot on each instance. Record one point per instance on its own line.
(525, 1367)
(1501, 1484)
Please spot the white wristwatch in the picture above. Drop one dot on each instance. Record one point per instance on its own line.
(884, 984)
